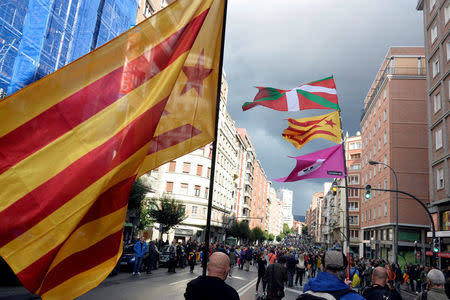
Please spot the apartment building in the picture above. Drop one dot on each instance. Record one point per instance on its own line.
(436, 16)
(260, 198)
(286, 197)
(394, 135)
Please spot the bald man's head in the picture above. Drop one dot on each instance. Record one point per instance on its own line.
(219, 265)
(379, 276)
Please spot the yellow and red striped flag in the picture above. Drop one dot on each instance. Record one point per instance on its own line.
(301, 131)
(72, 144)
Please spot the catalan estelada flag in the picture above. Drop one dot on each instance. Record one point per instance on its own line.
(301, 131)
(72, 144)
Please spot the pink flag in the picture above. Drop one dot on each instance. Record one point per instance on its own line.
(326, 163)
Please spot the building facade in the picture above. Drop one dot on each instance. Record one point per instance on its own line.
(286, 196)
(394, 133)
(436, 16)
(260, 198)
(39, 37)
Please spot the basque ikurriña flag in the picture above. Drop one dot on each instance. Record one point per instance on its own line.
(320, 94)
(72, 144)
(325, 163)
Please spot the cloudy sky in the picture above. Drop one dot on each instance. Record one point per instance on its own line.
(282, 43)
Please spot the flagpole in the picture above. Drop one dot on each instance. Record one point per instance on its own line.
(214, 144)
(346, 195)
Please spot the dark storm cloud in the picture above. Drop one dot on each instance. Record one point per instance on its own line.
(281, 43)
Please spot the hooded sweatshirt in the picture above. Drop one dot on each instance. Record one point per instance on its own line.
(327, 282)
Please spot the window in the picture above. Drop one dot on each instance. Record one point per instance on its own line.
(354, 167)
(447, 13)
(197, 190)
(186, 167)
(355, 156)
(354, 220)
(370, 215)
(353, 192)
(385, 138)
(172, 166)
(169, 187)
(374, 129)
(385, 159)
(199, 170)
(447, 48)
(435, 67)
(353, 179)
(184, 188)
(379, 211)
(374, 213)
(374, 150)
(149, 10)
(379, 123)
(353, 206)
(206, 193)
(204, 211)
(354, 233)
(384, 115)
(379, 143)
(432, 2)
(379, 102)
(194, 209)
(384, 94)
(355, 146)
(374, 171)
(433, 33)
(209, 173)
(438, 135)
(440, 178)
(437, 102)
(385, 184)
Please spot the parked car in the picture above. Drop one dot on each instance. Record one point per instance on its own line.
(165, 255)
(126, 261)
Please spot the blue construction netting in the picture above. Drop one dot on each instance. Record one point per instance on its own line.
(38, 37)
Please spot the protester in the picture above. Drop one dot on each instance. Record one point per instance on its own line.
(261, 262)
(172, 258)
(380, 290)
(291, 263)
(275, 277)
(300, 269)
(331, 280)
(435, 287)
(213, 285)
(140, 248)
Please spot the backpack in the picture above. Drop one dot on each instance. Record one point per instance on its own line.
(330, 295)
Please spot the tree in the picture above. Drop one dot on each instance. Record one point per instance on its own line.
(271, 237)
(244, 230)
(279, 238)
(166, 211)
(305, 230)
(286, 229)
(135, 203)
(257, 234)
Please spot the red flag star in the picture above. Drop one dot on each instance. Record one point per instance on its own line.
(195, 75)
(330, 122)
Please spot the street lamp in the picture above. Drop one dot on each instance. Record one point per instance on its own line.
(371, 162)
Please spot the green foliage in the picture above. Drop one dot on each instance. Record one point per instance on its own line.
(240, 230)
(279, 238)
(137, 194)
(271, 237)
(256, 234)
(282, 235)
(166, 211)
(305, 230)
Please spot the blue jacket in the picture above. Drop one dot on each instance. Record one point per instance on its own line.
(138, 250)
(325, 282)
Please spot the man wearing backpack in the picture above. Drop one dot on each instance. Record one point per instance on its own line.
(330, 284)
(380, 289)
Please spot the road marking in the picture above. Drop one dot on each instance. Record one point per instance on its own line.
(241, 278)
(246, 287)
(293, 291)
(177, 282)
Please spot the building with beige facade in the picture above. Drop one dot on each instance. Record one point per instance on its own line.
(260, 198)
(395, 133)
(146, 8)
(436, 16)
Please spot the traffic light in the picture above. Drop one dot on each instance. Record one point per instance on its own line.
(334, 187)
(436, 245)
(368, 191)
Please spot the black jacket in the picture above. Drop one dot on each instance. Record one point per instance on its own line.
(208, 287)
(380, 293)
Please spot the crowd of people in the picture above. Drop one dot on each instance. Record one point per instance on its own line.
(296, 263)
